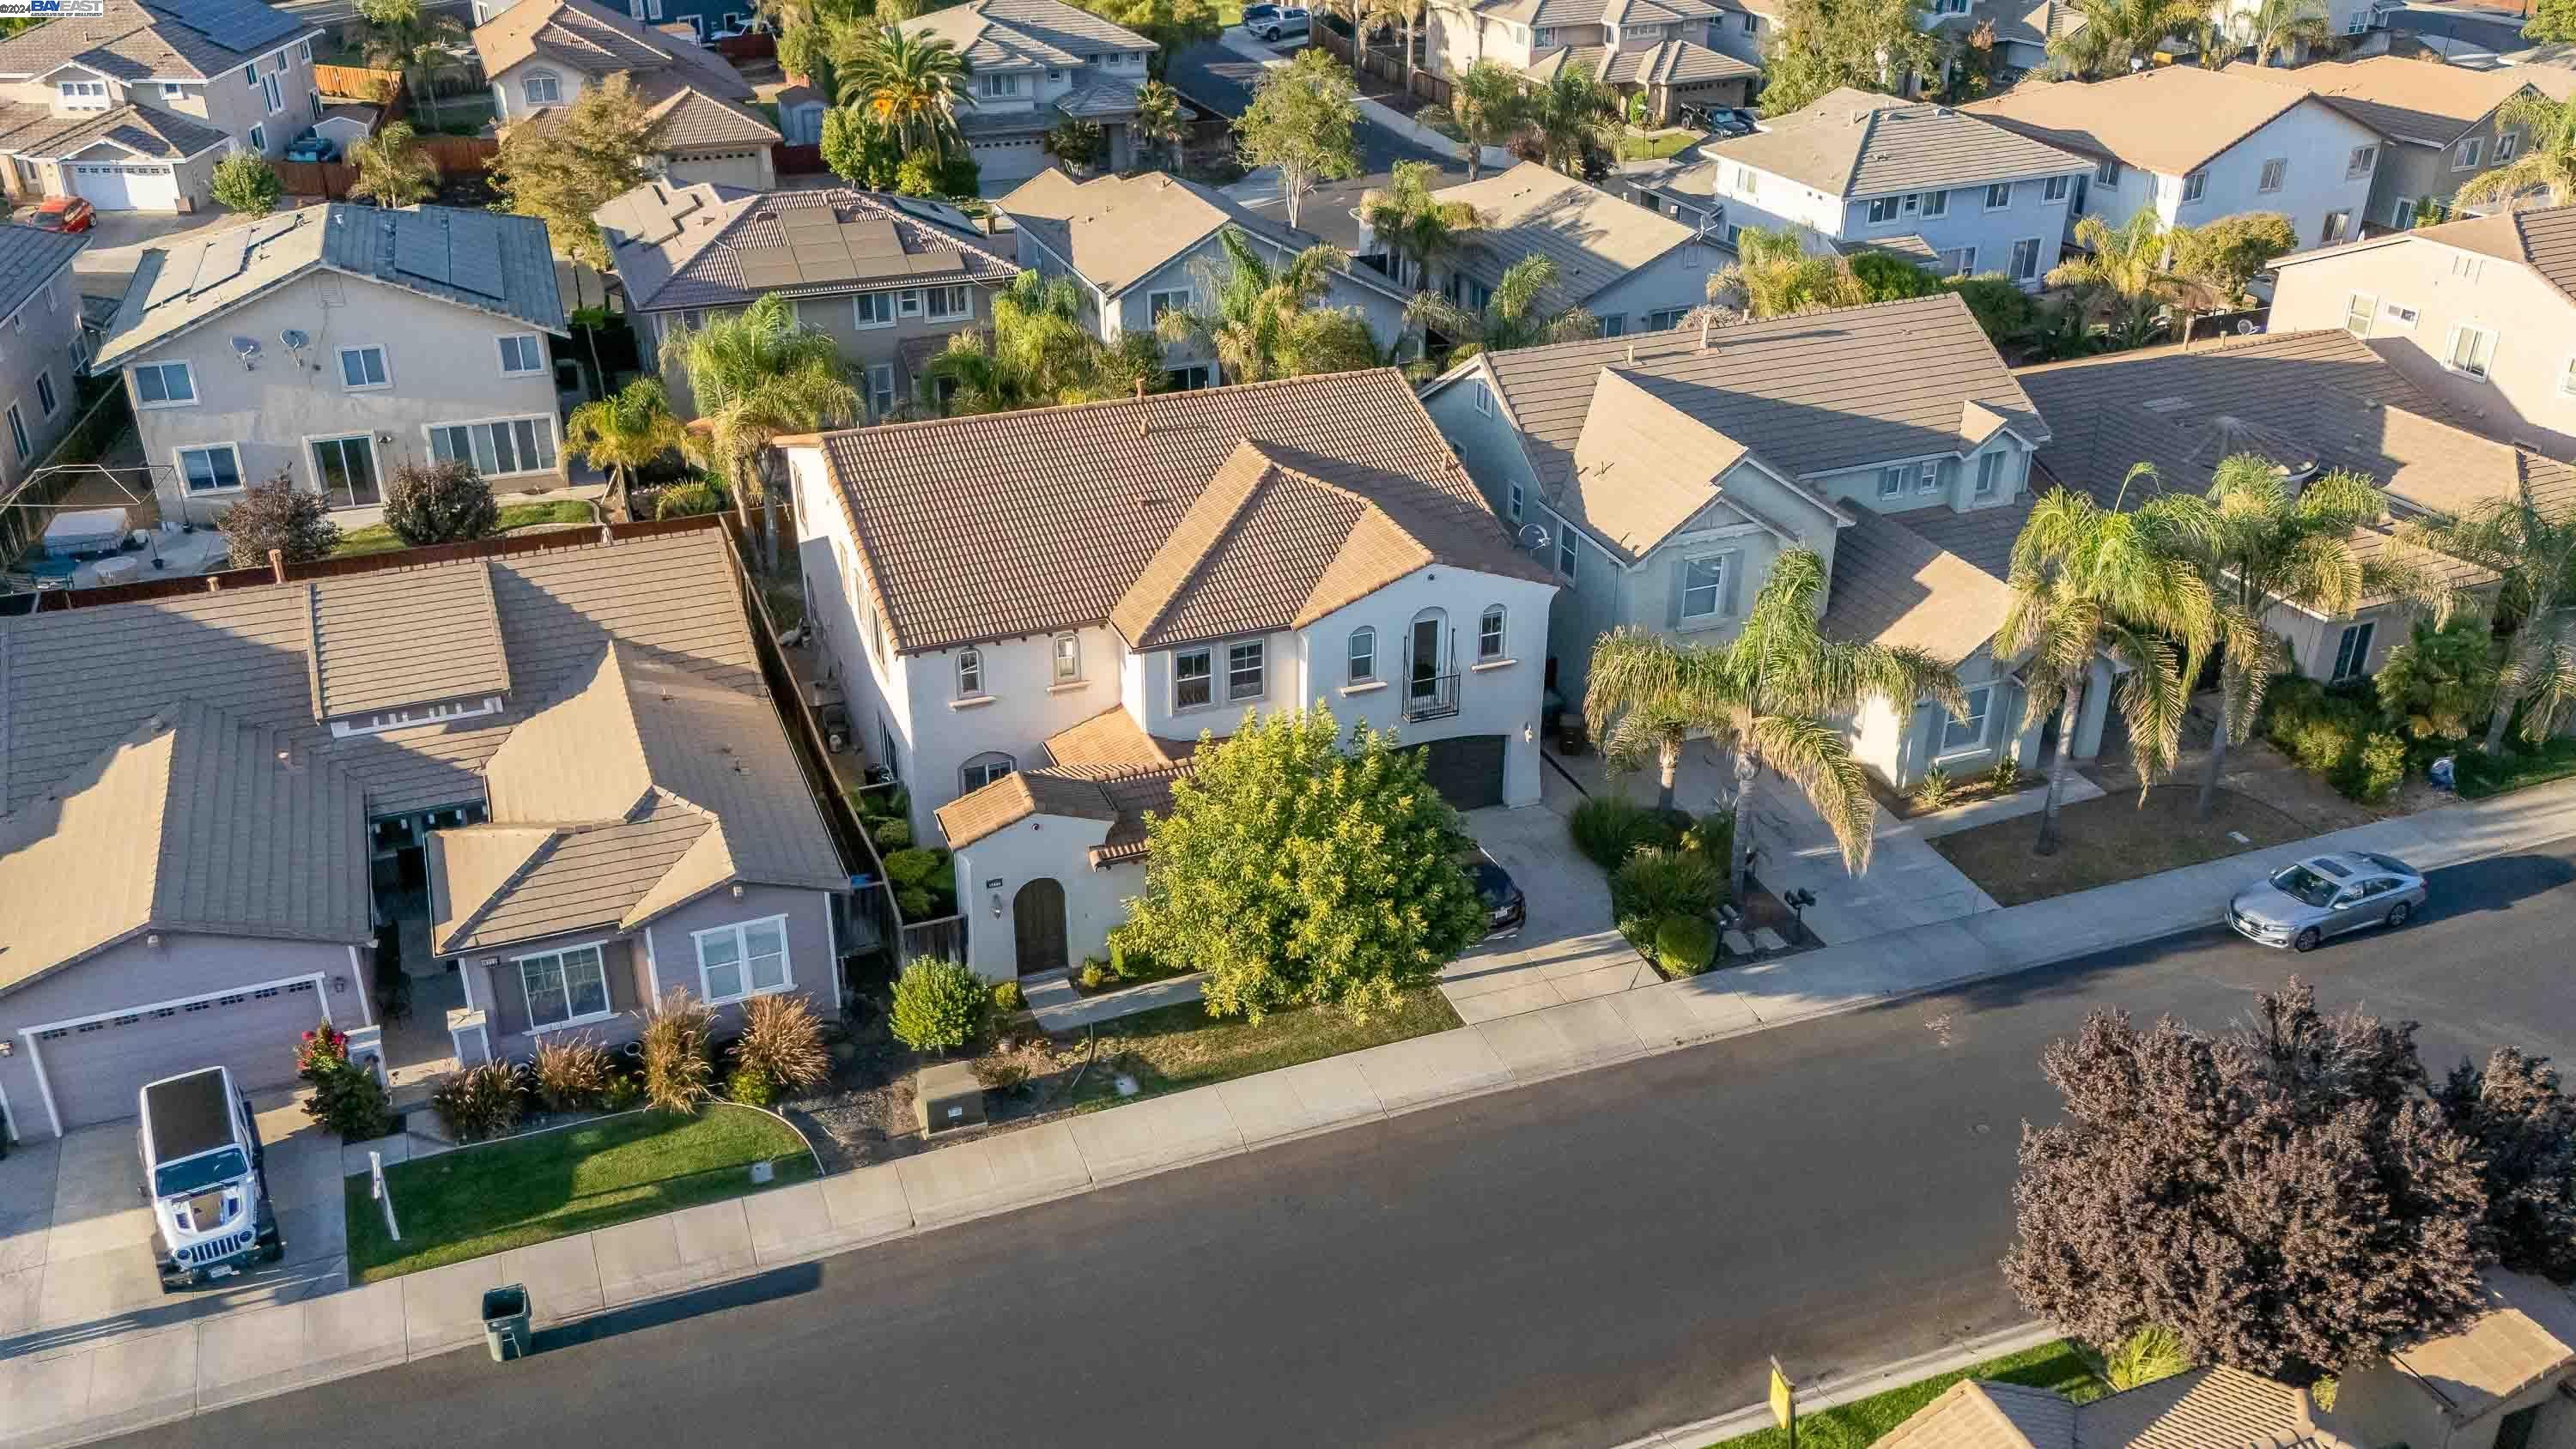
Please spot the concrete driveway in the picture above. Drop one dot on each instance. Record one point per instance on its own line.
(75, 1236)
(1569, 950)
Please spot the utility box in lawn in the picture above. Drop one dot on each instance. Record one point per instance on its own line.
(949, 1097)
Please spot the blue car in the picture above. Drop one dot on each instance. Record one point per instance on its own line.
(310, 147)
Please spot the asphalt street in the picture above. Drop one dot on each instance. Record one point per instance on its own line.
(1573, 1263)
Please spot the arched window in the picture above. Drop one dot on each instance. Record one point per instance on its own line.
(970, 673)
(1363, 655)
(1489, 635)
(983, 770)
(542, 88)
(1425, 652)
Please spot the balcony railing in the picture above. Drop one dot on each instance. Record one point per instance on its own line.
(1430, 696)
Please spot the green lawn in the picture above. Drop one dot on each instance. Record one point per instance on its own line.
(1655, 148)
(2479, 774)
(2058, 1365)
(377, 538)
(482, 1200)
(1177, 1047)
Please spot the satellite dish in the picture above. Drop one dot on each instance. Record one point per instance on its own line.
(1533, 537)
(248, 347)
(294, 339)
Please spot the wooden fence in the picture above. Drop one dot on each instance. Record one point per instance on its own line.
(754, 46)
(358, 83)
(331, 180)
(1388, 68)
(798, 160)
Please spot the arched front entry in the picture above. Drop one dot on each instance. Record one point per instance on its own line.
(1037, 926)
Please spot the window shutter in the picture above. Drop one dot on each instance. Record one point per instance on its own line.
(1733, 587)
(1673, 596)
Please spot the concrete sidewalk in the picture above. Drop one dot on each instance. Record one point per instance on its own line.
(81, 1393)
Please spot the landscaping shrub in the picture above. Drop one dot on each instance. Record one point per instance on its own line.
(1656, 882)
(480, 1102)
(688, 500)
(782, 1040)
(571, 1072)
(2324, 730)
(625, 1093)
(891, 834)
(440, 502)
(1609, 829)
(347, 1098)
(940, 1006)
(2439, 684)
(679, 1060)
(278, 515)
(2006, 775)
(924, 881)
(1007, 997)
(1094, 976)
(1001, 1074)
(751, 1087)
(2153, 1352)
(1934, 790)
(1713, 837)
(1128, 960)
(1685, 945)
(2380, 769)
(244, 182)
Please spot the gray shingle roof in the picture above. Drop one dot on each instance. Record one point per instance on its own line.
(29, 257)
(1851, 143)
(146, 131)
(136, 41)
(1595, 238)
(1118, 230)
(1012, 34)
(481, 260)
(1892, 586)
(683, 246)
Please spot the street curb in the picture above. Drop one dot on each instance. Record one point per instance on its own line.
(1833, 1391)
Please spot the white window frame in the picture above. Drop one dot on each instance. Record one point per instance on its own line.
(1927, 476)
(1980, 718)
(2401, 317)
(882, 394)
(259, 139)
(907, 303)
(2006, 188)
(1891, 481)
(1168, 299)
(2467, 155)
(1715, 564)
(970, 673)
(1990, 473)
(861, 304)
(1259, 669)
(2106, 174)
(983, 770)
(1512, 501)
(2337, 229)
(553, 88)
(1569, 560)
(2362, 305)
(1206, 655)
(2567, 377)
(47, 400)
(2056, 188)
(2038, 254)
(535, 349)
(1883, 209)
(384, 367)
(1359, 657)
(528, 998)
(2195, 185)
(2360, 163)
(2508, 144)
(273, 93)
(1966, 265)
(2365, 632)
(79, 95)
(962, 294)
(1482, 396)
(179, 459)
(553, 442)
(1493, 635)
(741, 931)
(1064, 658)
(2275, 173)
(19, 438)
(2483, 371)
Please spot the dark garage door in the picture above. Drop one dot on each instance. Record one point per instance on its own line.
(1467, 771)
(98, 1070)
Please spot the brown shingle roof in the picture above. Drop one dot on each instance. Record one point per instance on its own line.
(1982, 1414)
(2543, 239)
(1019, 523)
(1853, 143)
(2171, 119)
(2408, 99)
(1892, 586)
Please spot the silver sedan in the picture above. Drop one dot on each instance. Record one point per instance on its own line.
(2326, 895)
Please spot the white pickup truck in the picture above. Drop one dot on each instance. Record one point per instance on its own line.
(204, 1173)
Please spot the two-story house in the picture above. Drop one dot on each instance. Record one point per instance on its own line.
(132, 107)
(1676, 52)
(2440, 123)
(1871, 170)
(1145, 245)
(2194, 145)
(1035, 64)
(2021, 31)
(1632, 269)
(540, 54)
(891, 278)
(2480, 313)
(40, 343)
(334, 344)
(1667, 473)
(1173, 562)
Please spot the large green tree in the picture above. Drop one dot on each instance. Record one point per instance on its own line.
(1413, 223)
(2531, 547)
(912, 85)
(1158, 124)
(2090, 582)
(1778, 273)
(2547, 163)
(1040, 353)
(2112, 33)
(1771, 697)
(1297, 868)
(2523, 1127)
(1822, 45)
(244, 182)
(2274, 26)
(566, 165)
(393, 170)
(1173, 25)
(1301, 121)
(1262, 320)
(2551, 21)
(2122, 278)
(2224, 255)
(756, 375)
(1511, 317)
(1488, 106)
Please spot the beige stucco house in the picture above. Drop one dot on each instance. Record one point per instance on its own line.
(1674, 52)
(541, 54)
(40, 344)
(1034, 65)
(1632, 269)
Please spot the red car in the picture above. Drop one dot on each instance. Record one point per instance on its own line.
(63, 213)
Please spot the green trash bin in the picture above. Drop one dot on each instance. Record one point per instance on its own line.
(505, 1321)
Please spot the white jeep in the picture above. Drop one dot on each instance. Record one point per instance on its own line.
(204, 1173)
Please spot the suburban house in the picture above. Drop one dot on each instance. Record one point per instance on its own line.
(212, 802)
(540, 54)
(892, 278)
(1872, 171)
(2480, 313)
(1175, 560)
(2309, 402)
(1744, 28)
(1139, 244)
(1036, 64)
(1672, 51)
(2439, 121)
(2195, 145)
(2501, 1382)
(1666, 474)
(132, 107)
(40, 343)
(336, 343)
(2022, 31)
(1633, 270)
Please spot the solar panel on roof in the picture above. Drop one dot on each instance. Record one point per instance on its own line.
(873, 238)
(770, 269)
(169, 283)
(420, 247)
(223, 260)
(236, 25)
(474, 254)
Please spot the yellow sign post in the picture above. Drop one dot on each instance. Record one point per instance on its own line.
(1784, 1402)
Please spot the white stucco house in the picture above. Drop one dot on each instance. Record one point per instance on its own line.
(2195, 145)
(1872, 171)
(334, 344)
(1173, 562)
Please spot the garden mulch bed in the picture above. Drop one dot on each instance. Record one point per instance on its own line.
(864, 1114)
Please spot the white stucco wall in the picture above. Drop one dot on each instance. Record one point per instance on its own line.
(1095, 899)
(2314, 140)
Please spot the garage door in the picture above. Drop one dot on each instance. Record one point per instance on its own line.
(1467, 771)
(127, 186)
(999, 163)
(98, 1068)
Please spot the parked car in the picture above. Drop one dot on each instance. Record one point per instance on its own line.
(1506, 909)
(206, 1178)
(60, 213)
(2325, 895)
(1724, 122)
(1283, 22)
(310, 147)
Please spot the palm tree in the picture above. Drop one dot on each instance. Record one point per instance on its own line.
(1488, 105)
(625, 432)
(910, 84)
(1510, 317)
(1039, 353)
(2273, 26)
(2548, 160)
(1261, 321)
(2441, 680)
(759, 374)
(392, 169)
(1769, 698)
(2260, 544)
(1777, 274)
(2532, 551)
(2122, 271)
(1158, 119)
(1406, 13)
(402, 36)
(2089, 581)
(1414, 223)
(2113, 33)
(1571, 115)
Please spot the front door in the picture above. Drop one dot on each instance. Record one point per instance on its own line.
(1037, 924)
(346, 469)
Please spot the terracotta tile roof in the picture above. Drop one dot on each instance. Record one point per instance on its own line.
(695, 91)
(1893, 586)
(1018, 523)
(2523, 1335)
(1981, 1414)
(1112, 740)
(2426, 101)
(680, 247)
(2171, 119)
(1017, 796)
(1853, 143)
(2543, 239)
(1595, 238)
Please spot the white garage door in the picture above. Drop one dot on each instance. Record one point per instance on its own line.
(98, 1068)
(1000, 163)
(127, 185)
